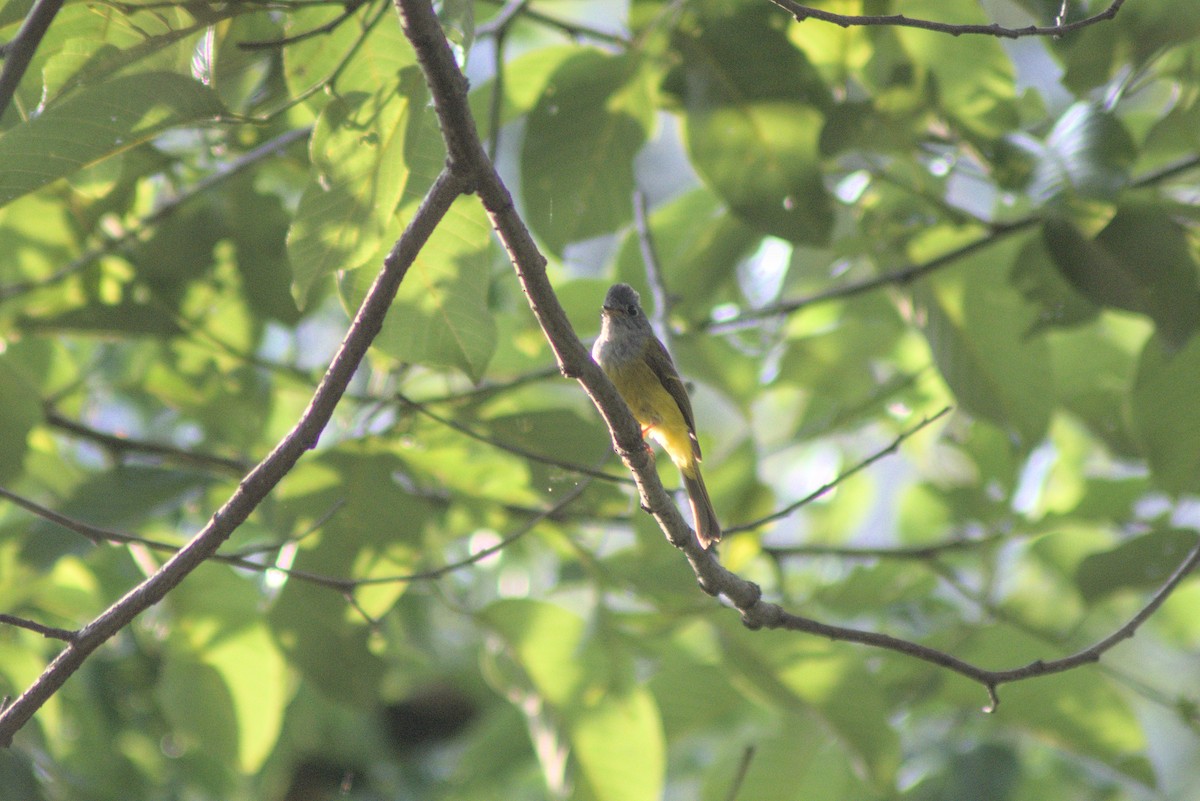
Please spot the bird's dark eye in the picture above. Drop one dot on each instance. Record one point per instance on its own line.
(631, 310)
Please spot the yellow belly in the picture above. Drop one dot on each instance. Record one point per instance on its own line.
(656, 411)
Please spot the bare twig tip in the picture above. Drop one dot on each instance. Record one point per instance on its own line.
(993, 700)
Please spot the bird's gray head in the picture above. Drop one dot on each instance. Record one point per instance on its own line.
(622, 301)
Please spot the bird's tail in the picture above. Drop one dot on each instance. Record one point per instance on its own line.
(708, 528)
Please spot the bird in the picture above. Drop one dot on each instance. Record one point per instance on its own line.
(638, 364)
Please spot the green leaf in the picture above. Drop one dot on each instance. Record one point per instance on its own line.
(1141, 262)
(697, 243)
(796, 759)
(547, 642)
(259, 226)
(1164, 413)
(374, 529)
(1035, 276)
(440, 316)
(974, 80)
(577, 155)
(363, 54)
(258, 680)
(525, 80)
(121, 498)
(95, 123)
(1140, 563)
(356, 147)
(618, 744)
(976, 325)
(752, 123)
(613, 725)
(90, 45)
(990, 771)
(1088, 152)
(22, 410)
(1094, 370)
(1081, 707)
(18, 776)
(127, 317)
(199, 706)
(243, 79)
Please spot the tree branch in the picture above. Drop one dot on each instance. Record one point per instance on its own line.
(119, 446)
(19, 52)
(259, 481)
(904, 275)
(907, 275)
(824, 488)
(802, 12)
(45, 631)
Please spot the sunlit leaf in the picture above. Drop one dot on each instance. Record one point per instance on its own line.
(96, 123)
(577, 155)
(752, 125)
(1163, 401)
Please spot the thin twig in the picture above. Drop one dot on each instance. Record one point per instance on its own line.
(907, 275)
(351, 8)
(498, 25)
(487, 390)
(573, 29)
(654, 275)
(98, 536)
(743, 769)
(316, 526)
(46, 631)
(516, 450)
(761, 614)
(119, 446)
(484, 553)
(801, 13)
(917, 553)
(891, 448)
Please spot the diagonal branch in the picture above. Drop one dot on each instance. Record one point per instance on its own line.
(259, 481)
(19, 52)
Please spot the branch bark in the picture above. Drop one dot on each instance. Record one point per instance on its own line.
(19, 52)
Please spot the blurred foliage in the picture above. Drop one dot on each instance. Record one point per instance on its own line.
(151, 291)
